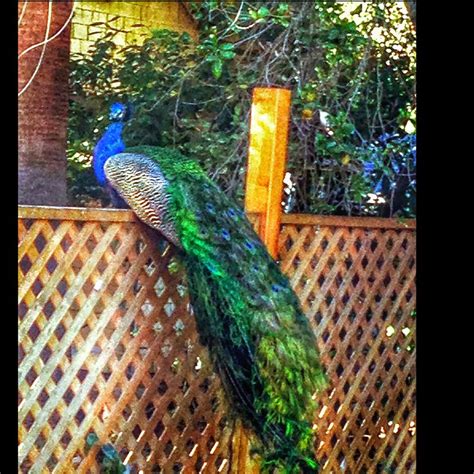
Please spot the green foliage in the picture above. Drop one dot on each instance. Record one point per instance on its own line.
(216, 53)
(353, 61)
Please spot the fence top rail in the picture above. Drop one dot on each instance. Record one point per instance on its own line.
(76, 213)
(125, 215)
(348, 221)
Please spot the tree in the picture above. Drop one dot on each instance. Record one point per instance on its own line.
(43, 103)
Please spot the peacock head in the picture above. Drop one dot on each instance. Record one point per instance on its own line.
(119, 112)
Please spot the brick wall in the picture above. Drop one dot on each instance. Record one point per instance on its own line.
(43, 107)
(170, 15)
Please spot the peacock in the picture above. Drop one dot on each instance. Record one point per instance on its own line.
(246, 312)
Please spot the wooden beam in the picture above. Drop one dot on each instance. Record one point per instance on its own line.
(269, 126)
(76, 214)
(348, 221)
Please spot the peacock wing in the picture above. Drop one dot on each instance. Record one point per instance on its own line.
(245, 308)
(140, 182)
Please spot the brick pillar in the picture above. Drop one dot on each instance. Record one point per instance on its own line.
(43, 107)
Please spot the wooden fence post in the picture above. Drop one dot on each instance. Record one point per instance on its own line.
(269, 125)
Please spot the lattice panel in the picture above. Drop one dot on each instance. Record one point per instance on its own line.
(357, 287)
(107, 345)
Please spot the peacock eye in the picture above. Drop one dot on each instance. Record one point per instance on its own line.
(225, 234)
(210, 207)
(276, 288)
(249, 245)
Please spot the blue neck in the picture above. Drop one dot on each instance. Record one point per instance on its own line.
(110, 144)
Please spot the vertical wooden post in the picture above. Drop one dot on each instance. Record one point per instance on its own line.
(269, 125)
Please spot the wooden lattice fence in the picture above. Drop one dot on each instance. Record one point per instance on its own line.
(108, 344)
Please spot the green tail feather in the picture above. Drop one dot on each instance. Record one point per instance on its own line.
(247, 314)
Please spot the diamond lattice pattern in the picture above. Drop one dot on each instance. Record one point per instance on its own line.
(108, 344)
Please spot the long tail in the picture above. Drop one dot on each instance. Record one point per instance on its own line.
(292, 449)
(289, 462)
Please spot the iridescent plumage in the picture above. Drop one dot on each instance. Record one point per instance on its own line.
(110, 144)
(246, 312)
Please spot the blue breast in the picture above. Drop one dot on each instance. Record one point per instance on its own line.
(110, 144)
